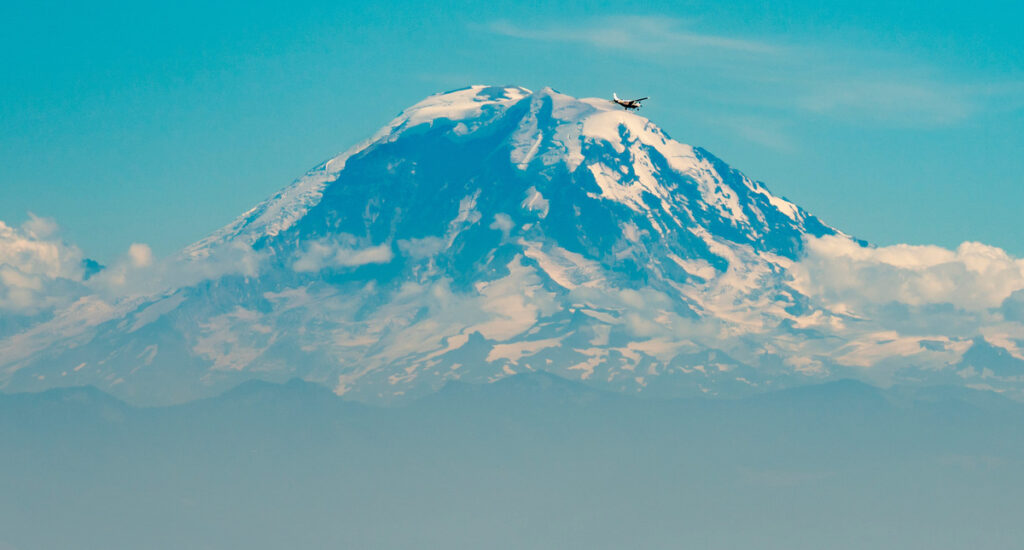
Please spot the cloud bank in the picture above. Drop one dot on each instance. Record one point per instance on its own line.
(854, 306)
(38, 271)
(974, 277)
(907, 300)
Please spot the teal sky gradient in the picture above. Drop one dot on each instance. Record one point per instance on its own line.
(133, 123)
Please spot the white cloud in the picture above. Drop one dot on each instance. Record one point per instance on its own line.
(37, 271)
(45, 282)
(536, 202)
(138, 273)
(851, 83)
(892, 98)
(973, 277)
(39, 228)
(761, 130)
(343, 251)
(141, 255)
(234, 258)
(502, 222)
(421, 248)
(636, 33)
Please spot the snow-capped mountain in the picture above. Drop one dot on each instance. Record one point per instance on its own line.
(485, 232)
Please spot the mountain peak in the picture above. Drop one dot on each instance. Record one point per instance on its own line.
(457, 105)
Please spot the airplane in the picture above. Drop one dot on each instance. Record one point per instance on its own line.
(628, 104)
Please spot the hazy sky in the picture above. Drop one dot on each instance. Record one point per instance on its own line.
(132, 123)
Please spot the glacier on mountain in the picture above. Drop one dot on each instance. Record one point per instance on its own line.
(490, 231)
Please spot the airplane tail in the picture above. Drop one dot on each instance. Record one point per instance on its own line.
(615, 97)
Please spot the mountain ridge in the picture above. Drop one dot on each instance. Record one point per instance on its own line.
(550, 386)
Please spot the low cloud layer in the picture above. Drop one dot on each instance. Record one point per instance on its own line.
(854, 306)
(974, 277)
(39, 272)
(918, 299)
(138, 273)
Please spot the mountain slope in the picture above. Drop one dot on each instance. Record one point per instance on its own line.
(484, 232)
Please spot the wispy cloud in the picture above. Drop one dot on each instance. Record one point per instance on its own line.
(847, 83)
(634, 33)
(886, 93)
(344, 251)
(768, 132)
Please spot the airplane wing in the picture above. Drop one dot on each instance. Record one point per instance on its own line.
(641, 99)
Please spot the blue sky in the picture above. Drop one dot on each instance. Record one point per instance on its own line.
(133, 123)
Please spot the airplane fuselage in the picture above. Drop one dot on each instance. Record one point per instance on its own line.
(627, 104)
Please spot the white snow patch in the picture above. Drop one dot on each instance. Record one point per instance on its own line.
(516, 350)
(698, 268)
(156, 310)
(502, 222)
(148, 354)
(234, 340)
(567, 269)
(536, 202)
(595, 356)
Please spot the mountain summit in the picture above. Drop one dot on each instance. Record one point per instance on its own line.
(484, 232)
